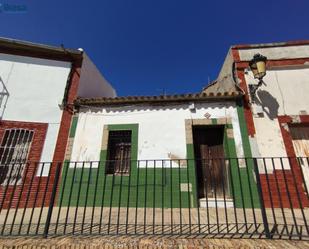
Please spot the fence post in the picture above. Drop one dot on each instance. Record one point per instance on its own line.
(52, 200)
(263, 210)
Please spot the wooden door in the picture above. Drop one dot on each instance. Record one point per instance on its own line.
(300, 138)
(209, 155)
(214, 170)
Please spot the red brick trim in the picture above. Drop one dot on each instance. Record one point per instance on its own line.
(247, 105)
(284, 122)
(63, 134)
(66, 118)
(275, 188)
(235, 54)
(243, 85)
(287, 139)
(40, 130)
(38, 140)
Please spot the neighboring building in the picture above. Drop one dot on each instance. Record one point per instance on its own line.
(278, 116)
(161, 135)
(38, 84)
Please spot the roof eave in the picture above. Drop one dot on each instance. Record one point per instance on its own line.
(156, 99)
(24, 48)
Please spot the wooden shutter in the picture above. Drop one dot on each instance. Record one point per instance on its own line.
(119, 152)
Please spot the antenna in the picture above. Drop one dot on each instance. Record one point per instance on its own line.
(162, 91)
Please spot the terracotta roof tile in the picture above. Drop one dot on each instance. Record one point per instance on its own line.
(209, 96)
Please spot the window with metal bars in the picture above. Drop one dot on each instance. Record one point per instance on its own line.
(14, 150)
(119, 152)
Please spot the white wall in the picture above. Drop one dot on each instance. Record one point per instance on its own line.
(36, 87)
(276, 53)
(92, 83)
(161, 129)
(286, 93)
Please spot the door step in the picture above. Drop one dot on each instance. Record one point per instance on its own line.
(219, 202)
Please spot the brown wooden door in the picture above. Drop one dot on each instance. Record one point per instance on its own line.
(213, 168)
(210, 163)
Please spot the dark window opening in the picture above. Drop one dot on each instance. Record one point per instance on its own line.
(119, 152)
(14, 150)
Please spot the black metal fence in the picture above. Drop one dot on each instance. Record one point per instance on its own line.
(230, 197)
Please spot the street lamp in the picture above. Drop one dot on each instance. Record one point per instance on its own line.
(258, 68)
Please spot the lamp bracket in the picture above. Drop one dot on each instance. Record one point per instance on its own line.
(253, 88)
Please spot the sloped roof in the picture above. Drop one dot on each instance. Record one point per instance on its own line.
(210, 96)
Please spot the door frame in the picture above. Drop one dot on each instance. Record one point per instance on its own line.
(228, 145)
(204, 189)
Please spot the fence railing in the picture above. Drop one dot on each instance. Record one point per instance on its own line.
(228, 197)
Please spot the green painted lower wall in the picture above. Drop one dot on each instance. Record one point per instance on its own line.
(151, 187)
(144, 188)
(156, 187)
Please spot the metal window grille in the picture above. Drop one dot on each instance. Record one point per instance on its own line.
(119, 152)
(14, 151)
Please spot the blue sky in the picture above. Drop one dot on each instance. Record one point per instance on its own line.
(145, 46)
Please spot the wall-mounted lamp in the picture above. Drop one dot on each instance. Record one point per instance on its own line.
(258, 68)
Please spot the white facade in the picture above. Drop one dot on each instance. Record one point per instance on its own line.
(161, 129)
(285, 92)
(35, 91)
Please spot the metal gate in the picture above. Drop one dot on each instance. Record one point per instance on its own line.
(265, 198)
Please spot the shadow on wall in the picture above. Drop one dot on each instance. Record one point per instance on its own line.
(269, 104)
